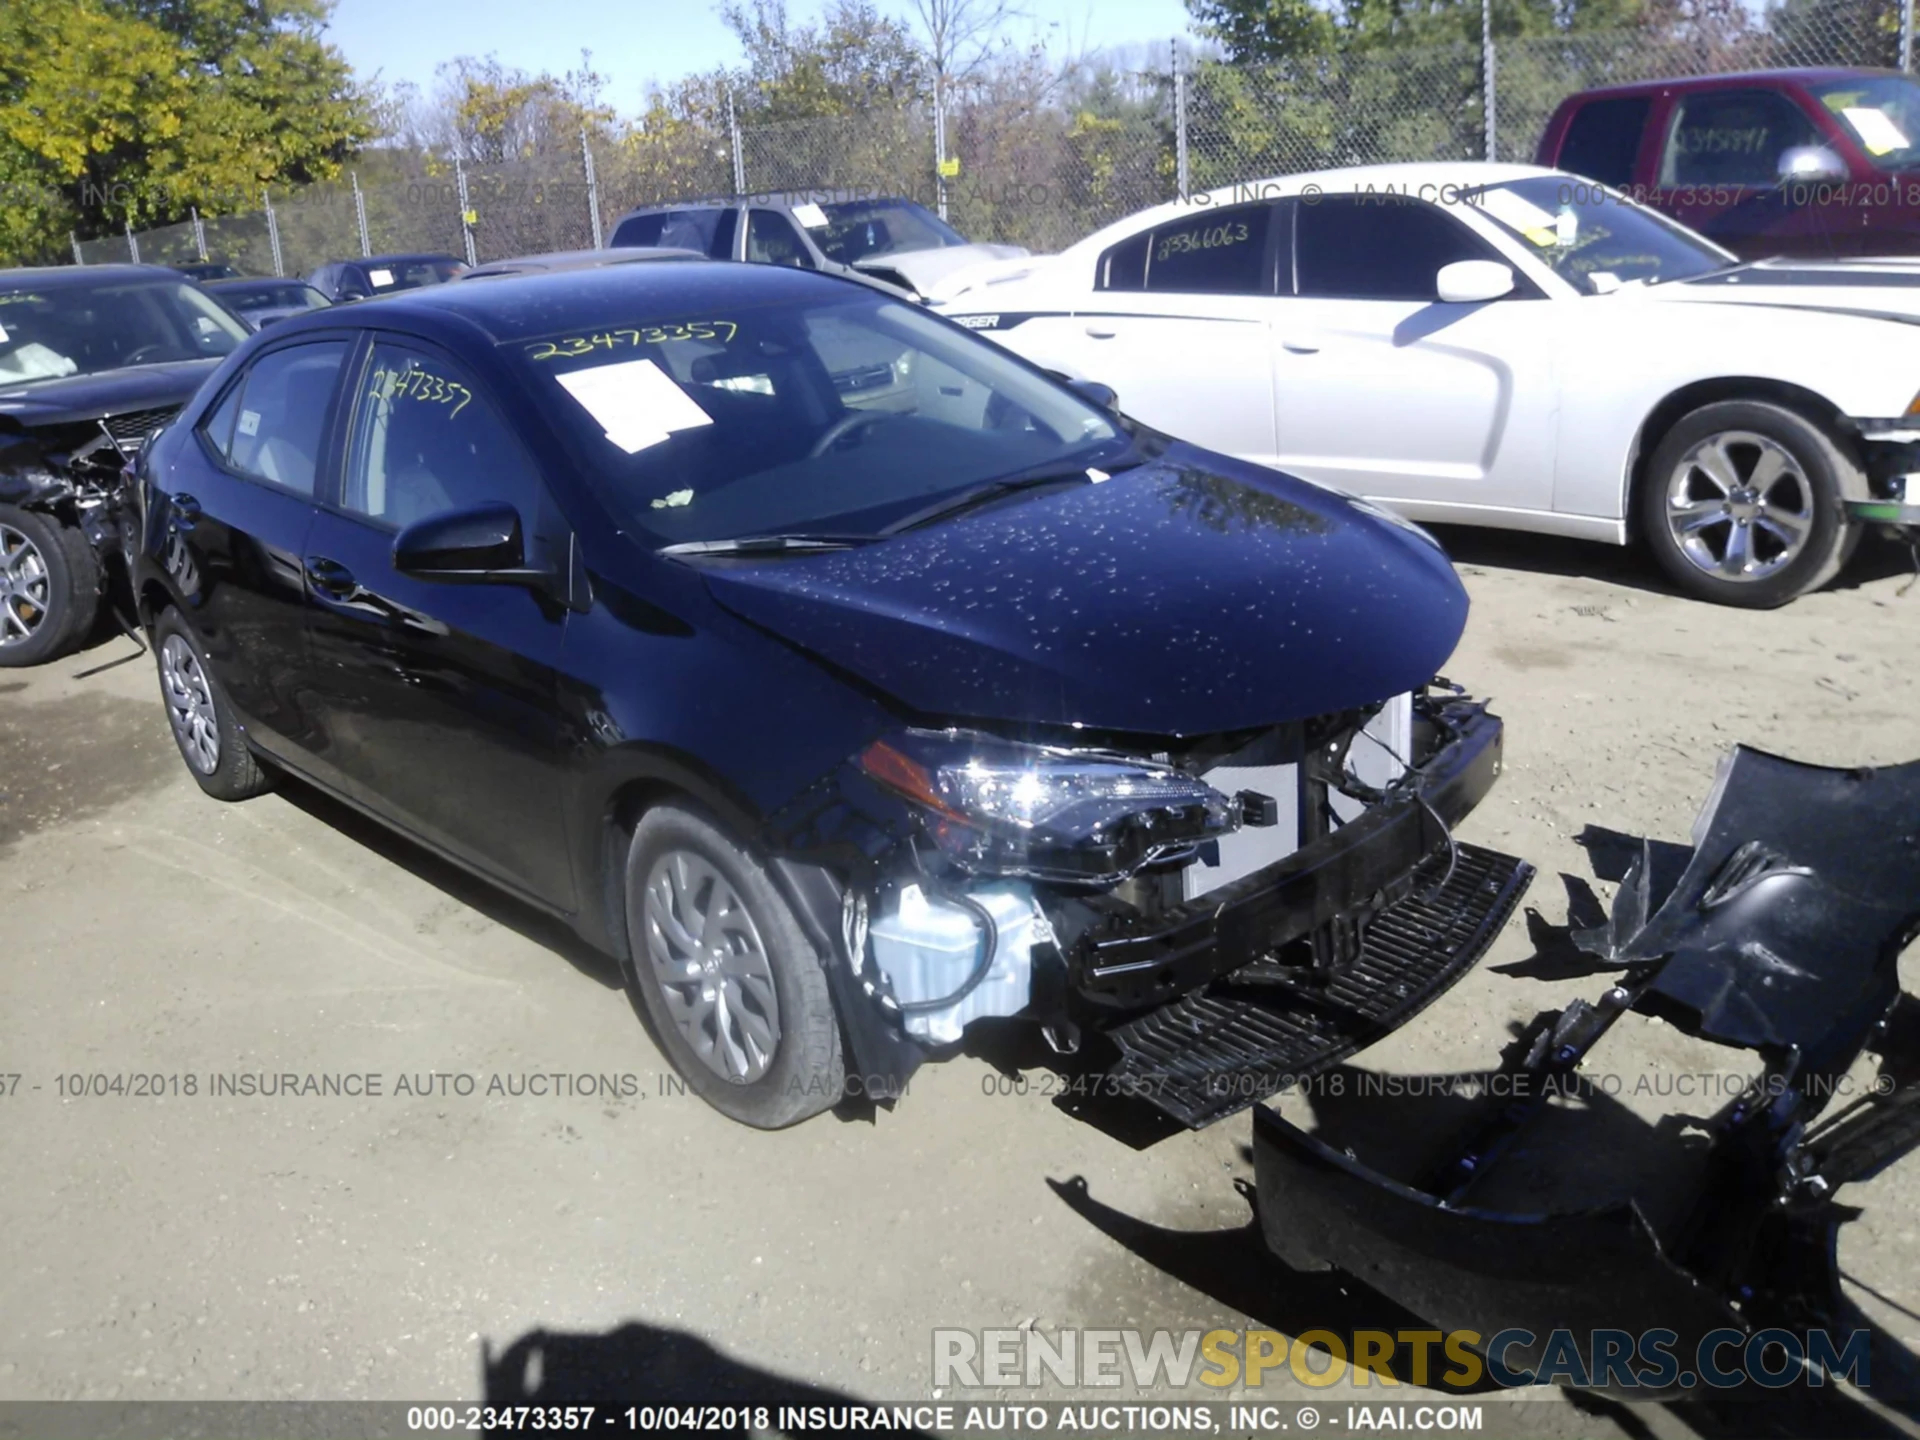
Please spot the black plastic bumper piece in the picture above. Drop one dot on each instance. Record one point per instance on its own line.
(1220, 1049)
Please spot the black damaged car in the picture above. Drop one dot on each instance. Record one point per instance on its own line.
(848, 678)
(93, 359)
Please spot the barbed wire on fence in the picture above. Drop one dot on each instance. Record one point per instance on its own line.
(1038, 175)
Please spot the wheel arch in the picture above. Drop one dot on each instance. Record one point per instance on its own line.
(629, 782)
(1681, 402)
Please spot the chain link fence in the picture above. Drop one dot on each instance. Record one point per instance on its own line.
(1038, 175)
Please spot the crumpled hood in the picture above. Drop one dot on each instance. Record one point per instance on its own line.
(1186, 596)
(935, 270)
(1888, 288)
(72, 398)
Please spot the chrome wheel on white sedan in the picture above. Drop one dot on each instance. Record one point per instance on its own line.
(1739, 506)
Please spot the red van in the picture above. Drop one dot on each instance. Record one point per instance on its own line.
(1807, 163)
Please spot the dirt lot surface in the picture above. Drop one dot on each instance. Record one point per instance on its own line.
(377, 1247)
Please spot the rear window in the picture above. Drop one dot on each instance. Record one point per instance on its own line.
(1603, 139)
(691, 229)
(1209, 252)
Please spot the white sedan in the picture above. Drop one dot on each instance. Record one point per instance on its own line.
(1502, 345)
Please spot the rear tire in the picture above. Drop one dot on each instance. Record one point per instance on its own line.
(733, 988)
(49, 587)
(1742, 505)
(204, 729)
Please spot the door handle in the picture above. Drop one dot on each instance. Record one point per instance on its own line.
(1102, 332)
(330, 577)
(1300, 347)
(184, 511)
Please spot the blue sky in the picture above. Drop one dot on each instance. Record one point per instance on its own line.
(635, 42)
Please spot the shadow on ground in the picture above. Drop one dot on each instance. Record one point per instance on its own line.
(646, 1365)
(1630, 565)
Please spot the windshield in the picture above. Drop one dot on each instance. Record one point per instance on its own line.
(1592, 237)
(410, 274)
(859, 229)
(71, 329)
(1881, 111)
(838, 416)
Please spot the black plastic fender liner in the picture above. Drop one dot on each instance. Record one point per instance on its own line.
(1470, 1269)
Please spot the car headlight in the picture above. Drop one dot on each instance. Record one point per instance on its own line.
(1005, 808)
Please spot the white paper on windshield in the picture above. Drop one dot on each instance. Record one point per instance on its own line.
(1566, 227)
(635, 402)
(1521, 214)
(380, 277)
(813, 217)
(1879, 134)
(249, 422)
(1604, 282)
(3, 334)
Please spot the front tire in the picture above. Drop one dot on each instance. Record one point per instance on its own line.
(733, 988)
(202, 722)
(49, 587)
(1742, 505)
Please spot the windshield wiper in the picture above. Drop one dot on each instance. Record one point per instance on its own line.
(766, 544)
(1052, 473)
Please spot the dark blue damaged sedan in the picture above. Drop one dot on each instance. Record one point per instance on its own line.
(846, 677)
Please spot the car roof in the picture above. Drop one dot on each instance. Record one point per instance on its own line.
(578, 259)
(773, 200)
(1428, 179)
(47, 277)
(1803, 74)
(529, 306)
(397, 257)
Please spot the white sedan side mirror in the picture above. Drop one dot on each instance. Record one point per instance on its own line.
(1468, 282)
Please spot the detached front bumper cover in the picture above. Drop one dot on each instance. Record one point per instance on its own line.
(1779, 931)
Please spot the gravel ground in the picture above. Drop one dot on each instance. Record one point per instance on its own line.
(380, 1247)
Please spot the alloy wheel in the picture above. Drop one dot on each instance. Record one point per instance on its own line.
(190, 710)
(1740, 506)
(25, 587)
(712, 966)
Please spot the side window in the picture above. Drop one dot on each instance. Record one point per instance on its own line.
(1213, 252)
(1376, 247)
(424, 440)
(641, 230)
(1603, 139)
(1124, 266)
(772, 240)
(1733, 137)
(273, 424)
(721, 246)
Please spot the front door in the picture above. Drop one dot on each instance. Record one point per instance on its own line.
(1441, 410)
(437, 700)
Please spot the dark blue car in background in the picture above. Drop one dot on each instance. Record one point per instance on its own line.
(848, 678)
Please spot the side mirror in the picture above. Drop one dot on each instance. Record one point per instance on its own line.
(1470, 282)
(1105, 396)
(1811, 165)
(351, 292)
(480, 545)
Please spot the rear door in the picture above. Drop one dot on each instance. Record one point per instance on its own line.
(230, 517)
(1439, 409)
(436, 702)
(1179, 324)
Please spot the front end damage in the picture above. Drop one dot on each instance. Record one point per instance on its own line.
(1199, 922)
(1780, 932)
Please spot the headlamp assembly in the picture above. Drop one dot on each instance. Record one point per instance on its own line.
(1001, 807)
